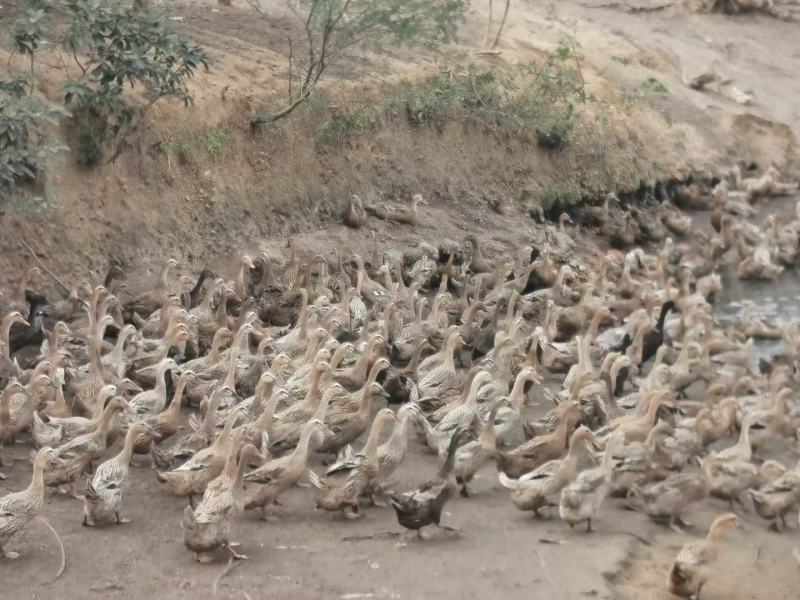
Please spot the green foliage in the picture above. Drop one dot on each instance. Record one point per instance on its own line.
(30, 26)
(26, 141)
(214, 141)
(648, 93)
(123, 46)
(623, 60)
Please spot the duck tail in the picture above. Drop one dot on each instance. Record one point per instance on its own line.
(314, 479)
(159, 458)
(507, 482)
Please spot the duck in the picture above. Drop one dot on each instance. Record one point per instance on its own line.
(207, 526)
(473, 455)
(343, 496)
(731, 479)
(777, 498)
(623, 236)
(265, 484)
(541, 487)
(581, 499)
(759, 266)
(200, 436)
(103, 495)
(63, 429)
(79, 453)
(354, 215)
(405, 215)
(167, 423)
(742, 450)
(423, 506)
(192, 477)
(671, 497)
(654, 338)
(17, 509)
(542, 448)
(692, 566)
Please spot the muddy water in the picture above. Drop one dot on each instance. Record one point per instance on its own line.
(777, 301)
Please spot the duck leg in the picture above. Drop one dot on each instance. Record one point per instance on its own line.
(464, 490)
(120, 521)
(589, 525)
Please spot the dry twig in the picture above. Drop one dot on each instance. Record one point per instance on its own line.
(60, 545)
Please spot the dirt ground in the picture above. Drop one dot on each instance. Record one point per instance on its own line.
(141, 209)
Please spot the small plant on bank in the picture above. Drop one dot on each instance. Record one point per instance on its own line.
(334, 27)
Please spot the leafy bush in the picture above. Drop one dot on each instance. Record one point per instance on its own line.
(540, 99)
(122, 46)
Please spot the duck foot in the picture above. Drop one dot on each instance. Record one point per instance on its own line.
(379, 503)
(464, 491)
(202, 558)
(87, 522)
(3, 477)
(9, 554)
(121, 521)
(235, 555)
(449, 528)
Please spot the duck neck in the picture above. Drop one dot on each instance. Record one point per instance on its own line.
(213, 355)
(300, 455)
(106, 418)
(663, 316)
(221, 316)
(175, 405)
(230, 378)
(488, 435)
(125, 454)
(716, 530)
(59, 403)
(399, 437)
(5, 331)
(371, 447)
(161, 384)
(594, 325)
(36, 489)
(517, 396)
(267, 415)
(119, 347)
(313, 396)
(472, 399)
(5, 407)
(374, 371)
(365, 405)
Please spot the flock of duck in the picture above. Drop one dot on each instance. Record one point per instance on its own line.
(301, 356)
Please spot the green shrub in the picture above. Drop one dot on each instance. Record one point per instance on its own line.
(556, 198)
(217, 142)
